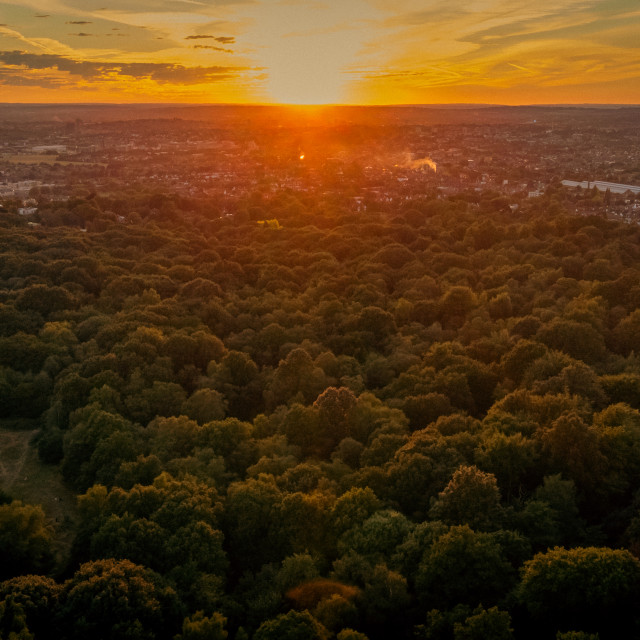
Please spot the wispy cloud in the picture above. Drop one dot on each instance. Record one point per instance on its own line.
(92, 70)
(422, 45)
(395, 49)
(212, 48)
(221, 39)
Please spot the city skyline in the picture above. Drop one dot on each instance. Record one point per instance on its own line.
(313, 52)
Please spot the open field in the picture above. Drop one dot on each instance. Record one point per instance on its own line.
(25, 478)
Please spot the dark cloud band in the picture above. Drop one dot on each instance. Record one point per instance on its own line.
(220, 39)
(159, 72)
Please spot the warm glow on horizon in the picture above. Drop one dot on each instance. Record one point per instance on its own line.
(306, 49)
(318, 52)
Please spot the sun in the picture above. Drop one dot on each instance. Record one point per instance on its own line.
(306, 50)
(305, 76)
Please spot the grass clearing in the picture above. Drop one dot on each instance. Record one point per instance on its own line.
(25, 478)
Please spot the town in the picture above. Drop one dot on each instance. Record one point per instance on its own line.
(355, 158)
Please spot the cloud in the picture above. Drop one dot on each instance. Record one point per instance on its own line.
(42, 15)
(16, 78)
(422, 44)
(220, 39)
(81, 34)
(150, 6)
(204, 46)
(160, 73)
(78, 22)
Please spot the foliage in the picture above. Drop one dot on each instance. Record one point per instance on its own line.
(582, 587)
(362, 426)
(117, 599)
(294, 625)
(25, 539)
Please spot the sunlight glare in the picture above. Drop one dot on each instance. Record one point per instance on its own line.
(305, 50)
(305, 74)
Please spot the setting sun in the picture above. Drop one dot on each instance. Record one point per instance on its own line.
(303, 87)
(306, 51)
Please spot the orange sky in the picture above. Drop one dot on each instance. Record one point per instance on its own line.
(318, 52)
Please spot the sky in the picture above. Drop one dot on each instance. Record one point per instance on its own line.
(321, 51)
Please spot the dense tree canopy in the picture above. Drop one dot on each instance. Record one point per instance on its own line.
(421, 421)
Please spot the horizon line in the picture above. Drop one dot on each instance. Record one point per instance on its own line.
(324, 105)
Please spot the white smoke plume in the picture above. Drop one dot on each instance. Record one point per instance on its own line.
(409, 162)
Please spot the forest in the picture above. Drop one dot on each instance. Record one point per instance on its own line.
(301, 422)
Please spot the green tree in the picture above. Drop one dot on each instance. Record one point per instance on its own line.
(583, 588)
(455, 304)
(13, 624)
(303, 520)
(334, 406)
(236, 376)
(25, 540)
(513, 459)
(205, 405)
(578, 339)
(296, 377)
(424, 409)
(353, 508)
(116, 599)
(170, 526)
(336, 612)
(172, 437)
(378, 536)
(232, 440)
(201, 627)
(97, 443)
(483, 624)
(471, 497)
(465, 567)
(38, 596)
(573, 448)
(250, 515)
(295, 625)
(625, 336)
(385, 598)
(350, 634)
(44, 299)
